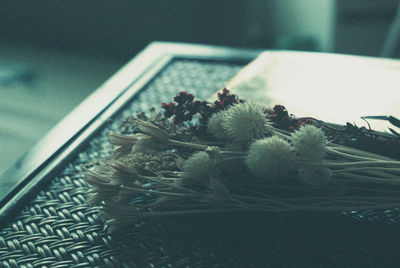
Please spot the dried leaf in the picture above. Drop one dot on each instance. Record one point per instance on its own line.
(121, 151)
(119, 166)
(152, 130)
(122, 140)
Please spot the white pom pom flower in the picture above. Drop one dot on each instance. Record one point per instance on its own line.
(245, 122)
(270, 158)
(214, 125)
(315, 175)
(198, 167)
(310, 143)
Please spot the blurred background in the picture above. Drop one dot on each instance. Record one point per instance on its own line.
(54, 53)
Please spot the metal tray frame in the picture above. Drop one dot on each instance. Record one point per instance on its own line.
(40, 164)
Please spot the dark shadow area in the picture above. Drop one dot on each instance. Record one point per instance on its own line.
(259, 240)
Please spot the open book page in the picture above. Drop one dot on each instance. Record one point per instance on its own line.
(330, 87)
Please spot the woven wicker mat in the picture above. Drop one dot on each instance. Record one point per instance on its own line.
(57, 228)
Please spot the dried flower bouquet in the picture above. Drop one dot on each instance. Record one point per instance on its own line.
(233, 155)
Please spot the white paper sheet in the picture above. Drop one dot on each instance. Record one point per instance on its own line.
(331, 87)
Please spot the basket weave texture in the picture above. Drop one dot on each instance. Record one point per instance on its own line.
(58, 229)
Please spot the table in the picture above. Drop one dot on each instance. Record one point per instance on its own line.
(45, 221)
(38, 88)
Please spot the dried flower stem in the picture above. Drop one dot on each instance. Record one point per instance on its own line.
(344, 149)
(344, 155)
(200, 211)
(188, 144)
(151, 191)
(345, 176)
(377, 163)
(387, 170)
